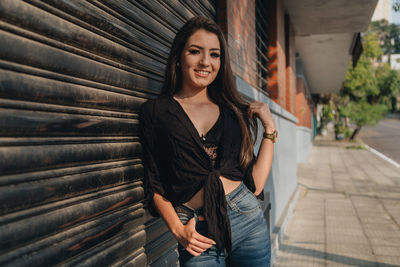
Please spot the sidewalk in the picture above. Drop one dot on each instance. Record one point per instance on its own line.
(348, 211)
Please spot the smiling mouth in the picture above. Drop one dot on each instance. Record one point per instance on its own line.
(202, 73)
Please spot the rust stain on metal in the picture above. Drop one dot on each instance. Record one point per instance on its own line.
(82, 218)
(87, 239)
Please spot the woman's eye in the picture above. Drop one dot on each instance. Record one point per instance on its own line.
(216, 55)
(194, 52)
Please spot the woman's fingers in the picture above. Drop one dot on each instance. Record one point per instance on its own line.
(205, 240)
(198, 246)
(254, 108)
(203, 245)
(191, 251)
(195, 247)
(251, 111)
(263, 113)
(192, 226)
(196, 243)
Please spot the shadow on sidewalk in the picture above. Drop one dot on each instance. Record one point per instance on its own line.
(331, 257)
(347, 193)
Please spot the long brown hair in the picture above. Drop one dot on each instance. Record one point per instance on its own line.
(222, 90)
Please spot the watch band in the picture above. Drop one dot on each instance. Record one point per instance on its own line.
(272, 136)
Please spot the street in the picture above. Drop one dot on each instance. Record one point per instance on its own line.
(384, 137)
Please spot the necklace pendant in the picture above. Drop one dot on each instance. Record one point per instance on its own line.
(203, 138)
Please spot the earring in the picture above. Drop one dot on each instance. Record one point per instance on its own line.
(178, 65)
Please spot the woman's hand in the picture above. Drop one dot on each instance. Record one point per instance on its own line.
(191, 240)
(261, 110)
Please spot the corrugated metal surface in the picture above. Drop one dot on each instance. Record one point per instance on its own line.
(73, 75)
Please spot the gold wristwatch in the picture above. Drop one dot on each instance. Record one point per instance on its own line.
(272, 136)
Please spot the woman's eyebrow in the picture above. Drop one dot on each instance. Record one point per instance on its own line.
(199, 47)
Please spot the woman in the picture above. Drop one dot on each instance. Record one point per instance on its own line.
(201, 174)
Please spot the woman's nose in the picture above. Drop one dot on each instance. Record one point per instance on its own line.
(205, 60)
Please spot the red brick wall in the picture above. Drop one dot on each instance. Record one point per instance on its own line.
(281, 54)
(290, 67)
(303, 110)
(241, 36)
(277, 53)
(237, 19)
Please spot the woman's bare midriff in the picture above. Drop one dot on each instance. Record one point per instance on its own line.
(197, 200)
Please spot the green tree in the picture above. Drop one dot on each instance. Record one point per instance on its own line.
(396, 5)
(388, 34)
(361, 81)
(326, 117)
(361, 113)
(388, 84)
(366, 87)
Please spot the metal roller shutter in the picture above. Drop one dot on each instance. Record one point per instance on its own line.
(73, 75)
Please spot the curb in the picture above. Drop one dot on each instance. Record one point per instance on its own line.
(379, 154)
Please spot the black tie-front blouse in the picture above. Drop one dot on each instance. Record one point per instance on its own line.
(176, 165)
(211, 141)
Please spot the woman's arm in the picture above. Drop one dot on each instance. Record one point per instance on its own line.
(186, 235)
(262, 165)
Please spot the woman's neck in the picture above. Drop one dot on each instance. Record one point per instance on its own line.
(192, 96)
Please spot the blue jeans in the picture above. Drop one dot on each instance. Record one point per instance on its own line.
(250, 235)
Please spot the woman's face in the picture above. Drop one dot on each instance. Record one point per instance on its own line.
(200, 60)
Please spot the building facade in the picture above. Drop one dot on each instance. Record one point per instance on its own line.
(383, 10)
(395, 62)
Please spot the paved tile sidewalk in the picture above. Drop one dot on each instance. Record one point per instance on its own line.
(348, 211)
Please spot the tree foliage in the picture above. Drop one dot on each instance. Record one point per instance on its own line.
(388, 83)
(363, 113)
(368, 87)
(361, 81)
(396, 5)
(388, 34)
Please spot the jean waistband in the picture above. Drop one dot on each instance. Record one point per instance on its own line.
(189, 211)
(236, 193)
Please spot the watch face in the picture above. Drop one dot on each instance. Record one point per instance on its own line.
(272, 136)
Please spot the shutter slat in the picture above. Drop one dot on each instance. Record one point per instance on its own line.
(37, 123)
(24, 51)
(38, 89)
(47, 190)
(73, 241)
(60, 217)
(33, 158)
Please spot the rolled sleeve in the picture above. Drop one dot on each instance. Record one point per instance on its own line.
(152, 181)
